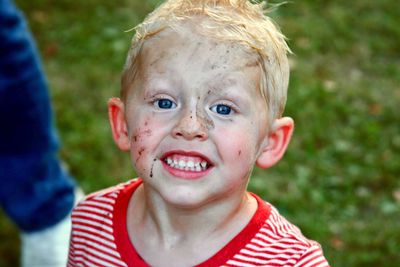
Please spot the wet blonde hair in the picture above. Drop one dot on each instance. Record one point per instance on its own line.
(238, 21)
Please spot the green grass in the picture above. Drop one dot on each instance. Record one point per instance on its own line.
(339, 179)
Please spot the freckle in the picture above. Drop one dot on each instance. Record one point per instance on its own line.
(209, 91)
(239, 152)
(145, 123)
(154, 159)
(191, 117)
(135, 138)
(198, 98)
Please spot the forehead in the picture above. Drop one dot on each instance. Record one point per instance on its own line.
(182, 50)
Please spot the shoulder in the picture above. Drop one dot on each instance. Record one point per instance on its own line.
(108, 194)
(280, 242)
(279, 228)
(93, 230)
(101, 203)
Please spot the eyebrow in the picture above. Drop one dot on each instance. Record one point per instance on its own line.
(222, 81)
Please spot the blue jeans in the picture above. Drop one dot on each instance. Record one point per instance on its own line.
(35, 191)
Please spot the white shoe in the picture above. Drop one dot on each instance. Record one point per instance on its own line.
(49, 247)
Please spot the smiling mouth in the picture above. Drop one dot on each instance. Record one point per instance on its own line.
(187, 162)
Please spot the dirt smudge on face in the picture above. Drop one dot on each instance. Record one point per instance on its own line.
(152, 166)
(140, 153)
(251, 64)
(204, 120)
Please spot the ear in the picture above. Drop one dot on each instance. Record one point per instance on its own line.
(116, 114)
(277, 142)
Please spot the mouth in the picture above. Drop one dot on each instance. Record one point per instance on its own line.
(186, 164)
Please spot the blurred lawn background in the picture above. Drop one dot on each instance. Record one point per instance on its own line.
(339, 179)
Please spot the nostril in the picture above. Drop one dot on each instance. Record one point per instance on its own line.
(200, 136)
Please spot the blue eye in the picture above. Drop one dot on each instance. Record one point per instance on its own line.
(221, 109)
(164, 103)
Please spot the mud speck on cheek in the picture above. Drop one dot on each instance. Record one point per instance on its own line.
(140, 153)
(151, 170)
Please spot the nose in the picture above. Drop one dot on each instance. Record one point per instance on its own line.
(191, 127)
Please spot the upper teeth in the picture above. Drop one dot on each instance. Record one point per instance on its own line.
(187, 165)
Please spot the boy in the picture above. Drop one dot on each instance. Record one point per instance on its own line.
(203, 90)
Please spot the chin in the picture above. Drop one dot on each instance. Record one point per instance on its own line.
(187, 198)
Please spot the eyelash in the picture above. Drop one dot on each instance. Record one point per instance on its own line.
(154, 103)
(156, 99)
(232, 107)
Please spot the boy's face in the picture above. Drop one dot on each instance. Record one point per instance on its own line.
(195, 118)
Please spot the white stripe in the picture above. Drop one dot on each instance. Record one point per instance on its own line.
(270, 238)
(312, 255)
(100, 240)
(244, 258)
(289, 249)
(93, 230)
(105, 199)
(80, 264)
(86, 263)
(80, 247)
(103, 263)
(93, 216)
(114, 195)
(265, 246)
(100, 254)
(95, 210)
(99, 204)
(271, 253)
(241, 264)
(102, 226)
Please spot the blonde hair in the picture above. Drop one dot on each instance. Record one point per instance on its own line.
(237, 21)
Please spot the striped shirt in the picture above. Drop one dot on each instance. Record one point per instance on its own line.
(100, 238)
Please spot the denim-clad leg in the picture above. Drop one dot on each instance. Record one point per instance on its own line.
(34, 190)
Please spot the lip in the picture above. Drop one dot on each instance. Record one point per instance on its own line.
(186, 174)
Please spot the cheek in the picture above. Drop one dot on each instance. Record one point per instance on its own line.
(237, 146)
(142, 137)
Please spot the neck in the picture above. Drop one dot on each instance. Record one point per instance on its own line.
(174, 226)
